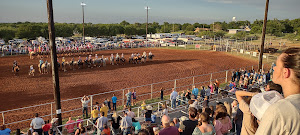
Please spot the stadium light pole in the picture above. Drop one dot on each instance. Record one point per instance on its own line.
(83, 4)
(263, 36)
(147, 8)
(55, 76)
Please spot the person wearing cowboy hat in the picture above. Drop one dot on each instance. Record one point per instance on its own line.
(54, 123)
(148, 114)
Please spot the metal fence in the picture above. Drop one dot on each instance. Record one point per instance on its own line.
(21, 117)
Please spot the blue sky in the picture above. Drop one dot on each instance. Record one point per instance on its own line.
(172, 11)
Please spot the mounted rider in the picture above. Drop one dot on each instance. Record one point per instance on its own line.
(41, 62)
(122, 55)
(144, 55)
(96, 56)
(15, 64)
(63, 60)
(117, 56)
(79, 60)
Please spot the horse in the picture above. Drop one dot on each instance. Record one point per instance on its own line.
(130, 60)
(16, 69)
(150, 57)
(44, 68)
(87, 63)
(97, 62)
(71, 64)
(144, 58)
(112, 60)
(122, 60)
(137, 59)
(31, 54)
(63, 66)
(80, 63)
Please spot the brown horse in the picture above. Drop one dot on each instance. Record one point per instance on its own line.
(16, 69)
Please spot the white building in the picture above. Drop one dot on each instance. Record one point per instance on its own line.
(163, 35)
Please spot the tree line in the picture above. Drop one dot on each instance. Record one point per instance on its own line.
(30, 30)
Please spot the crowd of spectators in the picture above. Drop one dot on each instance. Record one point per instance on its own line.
(265, 104)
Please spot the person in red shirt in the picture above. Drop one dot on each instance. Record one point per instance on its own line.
(106, 130)
(70, 125)
(46, 127)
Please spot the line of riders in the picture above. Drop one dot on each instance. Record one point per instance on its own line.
(44, 67)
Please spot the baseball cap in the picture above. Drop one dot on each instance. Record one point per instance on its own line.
(262, 101)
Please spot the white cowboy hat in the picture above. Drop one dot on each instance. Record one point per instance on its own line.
(54, 120)
(149, 107)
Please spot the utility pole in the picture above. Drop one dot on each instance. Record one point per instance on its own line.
(83, 4)
(55, 76)
(263, 36)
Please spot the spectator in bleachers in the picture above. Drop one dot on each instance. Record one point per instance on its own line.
(195, 91)
(161, 94)
(188, 95)
(191, 123)
(107, 103)
(222, 122)
(85, 101)
(81, 130)
(205, 102)
(115, 123)
(126, 124)
(173, 96)
(46, 127)
(101, 122)
(228, 108)
(217, 84)
(54, 124)
(211, 115)
(133, 97)
(4, 130)
(143, 105)
(128, 96)
(283, 116)
(79, 120)
(176, 122)
(178, 99)
(202, 92)
(194, 102)
(238, 120)
(272, 86)
(37, 123)
(167, 129)
(144, 132)
(106, 130)
(137, 126)
(148, 114)
(234, 106)
(94, 114)
(249, 124)
(104, 109)
(114, 101)
(70, 125)
(204, 127)
(165, 109)
(130, 113)
(208, 92)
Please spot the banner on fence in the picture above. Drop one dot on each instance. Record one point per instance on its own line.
(197, 46)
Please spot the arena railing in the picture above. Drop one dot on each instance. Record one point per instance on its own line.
(152, 92)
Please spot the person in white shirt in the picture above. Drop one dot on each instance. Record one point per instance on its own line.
(101, 122)
(85, 101)
(173, 96)
(37, 123)
(282, 117)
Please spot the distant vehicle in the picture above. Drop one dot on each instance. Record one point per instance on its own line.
(2, 42)
(19, 41)
(11, 41)
(197, 39)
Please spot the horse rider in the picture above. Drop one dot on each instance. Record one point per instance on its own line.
(31, 69)
(41, 62)
(112, 56)
(14, 65)
(96, 56)
(150, 54)
(144, 54)
(79, 60)
(132, 55)
(122, 55)
(117, 56)
(63, 61)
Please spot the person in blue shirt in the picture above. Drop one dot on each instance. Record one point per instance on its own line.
(195, 91)
(114, 101)
(4, 130)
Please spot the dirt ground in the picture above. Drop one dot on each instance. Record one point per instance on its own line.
(24, 90)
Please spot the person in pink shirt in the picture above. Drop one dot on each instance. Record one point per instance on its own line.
(79, 120)
(70, 125)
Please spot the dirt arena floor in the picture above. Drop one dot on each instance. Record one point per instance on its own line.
(24, 90)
